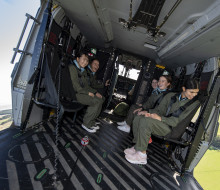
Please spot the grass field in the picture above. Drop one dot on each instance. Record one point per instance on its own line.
(5, 119)
(207, 172)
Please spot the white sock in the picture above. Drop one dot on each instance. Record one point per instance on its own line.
(142, 154)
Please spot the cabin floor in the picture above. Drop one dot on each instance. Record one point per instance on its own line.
(27, 160)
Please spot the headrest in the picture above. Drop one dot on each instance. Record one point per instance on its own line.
(55, 31)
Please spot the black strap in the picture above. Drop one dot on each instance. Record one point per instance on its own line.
(79, 76)
(89, 74)
(160, 99)
(172, 101)
(182, 108)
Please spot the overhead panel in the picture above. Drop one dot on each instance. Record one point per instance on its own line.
(204, 24)
(148, 13)
(104, 19)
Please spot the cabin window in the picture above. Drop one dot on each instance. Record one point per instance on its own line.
(131, 73)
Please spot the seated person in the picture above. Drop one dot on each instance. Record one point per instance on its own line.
(154, 85)
(91, 71)
(84, 93)
(161, 120)
(163, 85)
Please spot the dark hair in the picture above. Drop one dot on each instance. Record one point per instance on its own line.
(154, 79)
(191, 83)
(169, 80)
(93, 59)
(79, 54)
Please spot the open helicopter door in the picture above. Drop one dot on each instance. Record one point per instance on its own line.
(207, 124)
(27, 69)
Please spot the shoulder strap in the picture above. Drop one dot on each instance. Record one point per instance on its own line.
(160, 99)
(182, 108)
(87, 70)
(79, 76)
(89, 75)
(172, 101)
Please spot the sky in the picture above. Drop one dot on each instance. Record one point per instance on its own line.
(12, 19)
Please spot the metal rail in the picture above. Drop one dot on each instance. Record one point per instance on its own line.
(16, 50)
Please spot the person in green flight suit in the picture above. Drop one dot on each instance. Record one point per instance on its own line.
(91, 69)
(85, 94)
(161, 120)
(164, 84)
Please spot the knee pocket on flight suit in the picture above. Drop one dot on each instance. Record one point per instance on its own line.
(137, 121)
(98, 101)
(146, 123)
(137, 118)
(156, 127)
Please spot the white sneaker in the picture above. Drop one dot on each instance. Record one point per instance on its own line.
(125, 128)
(122, 123)
(130, 150)
(96, 127)
(137, 158)
(90, 130)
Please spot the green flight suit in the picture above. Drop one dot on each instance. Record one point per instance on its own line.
(93, 81)
(80, 83)
(146, 106)
(143, 126)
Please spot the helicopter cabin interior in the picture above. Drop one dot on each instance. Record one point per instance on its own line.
(42, 149)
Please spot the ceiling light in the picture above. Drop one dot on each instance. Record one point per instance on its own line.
(150, 46)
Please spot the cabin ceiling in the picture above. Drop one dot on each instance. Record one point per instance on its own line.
(192, 30)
